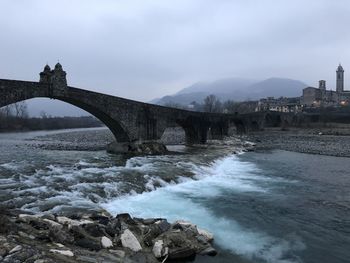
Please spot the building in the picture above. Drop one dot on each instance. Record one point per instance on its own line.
(282, 104)
(321, 97)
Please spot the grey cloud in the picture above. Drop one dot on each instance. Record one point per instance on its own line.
(146, 49)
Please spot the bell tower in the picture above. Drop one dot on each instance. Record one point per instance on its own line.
(340, 79)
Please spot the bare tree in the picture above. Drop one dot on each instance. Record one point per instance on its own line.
(209, 102)
(212, 104)
(21, 109)
(7, 111)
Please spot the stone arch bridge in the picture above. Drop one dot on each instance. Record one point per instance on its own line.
(128, 120)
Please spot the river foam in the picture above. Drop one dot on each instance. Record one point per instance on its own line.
(189, 200)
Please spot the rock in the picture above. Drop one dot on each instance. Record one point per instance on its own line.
(71, 222)
(84, 239)
(102, 219)
(3, 252)
(113, 227)
(58, 244)
(61, 236)
(106, 242)
(209, 251)
(152, 232)
(119, 253)
(90, 243)
(206, 234)
(67, 253)
(27, 218)
(118, 147)
(124, 221)
(181, 253)
(159, 250)
(15, 249)
(163, 225)
(95, 229)
(186, 226)
(148, 221)
(125, 218)
(149, 148)
(202, 240)
(53, 224)
(129, 240)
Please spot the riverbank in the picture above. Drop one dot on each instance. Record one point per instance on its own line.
(324, 141)
(99, 237)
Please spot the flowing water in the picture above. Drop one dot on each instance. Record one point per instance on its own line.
(273, 206)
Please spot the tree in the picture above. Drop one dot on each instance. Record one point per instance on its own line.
(21, 110)
(212, 104)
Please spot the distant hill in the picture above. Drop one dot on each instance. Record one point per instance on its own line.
(236, 89)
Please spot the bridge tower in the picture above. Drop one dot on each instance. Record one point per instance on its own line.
(340, 79)
(45, 76)
(56, 77)
(59, 80)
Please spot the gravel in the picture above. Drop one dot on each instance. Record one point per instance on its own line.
(303, 140)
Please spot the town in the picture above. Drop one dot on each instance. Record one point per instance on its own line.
(311, 99)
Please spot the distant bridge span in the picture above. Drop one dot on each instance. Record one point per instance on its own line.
(128, 120)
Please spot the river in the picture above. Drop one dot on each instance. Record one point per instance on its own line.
(271, 206)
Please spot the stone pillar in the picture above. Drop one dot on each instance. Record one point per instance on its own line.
(197, 134)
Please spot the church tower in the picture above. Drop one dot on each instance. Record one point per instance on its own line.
(340, 79)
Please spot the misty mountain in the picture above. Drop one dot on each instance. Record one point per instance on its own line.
(236, 89)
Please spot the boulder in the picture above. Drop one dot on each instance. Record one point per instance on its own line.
(163, 225)
(186, 226)
(53, 224)
(95, 229)
(182, 253)
(159, 250)
(129, 240)
(152, 232)
(106, 242)
(209, 251)
(71, 222)
(84, 239)
(144, 148)
(206, 234)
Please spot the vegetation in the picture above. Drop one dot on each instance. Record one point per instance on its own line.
(15, 117)
(213, 104)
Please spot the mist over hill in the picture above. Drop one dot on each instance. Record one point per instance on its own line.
(236, 89)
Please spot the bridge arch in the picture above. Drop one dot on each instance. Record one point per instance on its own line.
(10, 96)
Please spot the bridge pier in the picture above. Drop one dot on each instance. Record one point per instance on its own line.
(218, 131)
(196, 134)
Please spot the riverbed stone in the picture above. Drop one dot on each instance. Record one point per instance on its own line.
(106, 242)
(129, 240)
(67, 253)
(209, 251)
(206, 234)
(163, 225)
(15, 249)
(159, 250)
(182, 253)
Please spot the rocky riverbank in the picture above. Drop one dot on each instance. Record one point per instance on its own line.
(99, 237)
(314, 141)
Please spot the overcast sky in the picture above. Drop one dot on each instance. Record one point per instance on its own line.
(150, 48)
